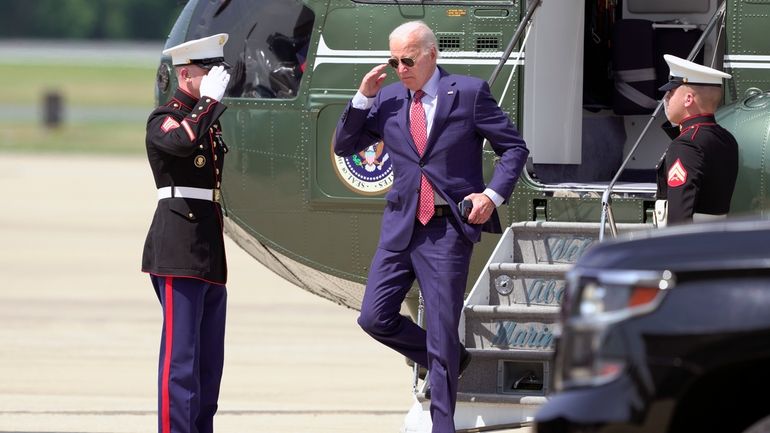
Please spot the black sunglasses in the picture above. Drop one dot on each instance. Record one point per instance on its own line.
(406, 61)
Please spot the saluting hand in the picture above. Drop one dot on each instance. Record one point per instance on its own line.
(372, 81)
(482, 208)
(214, 83)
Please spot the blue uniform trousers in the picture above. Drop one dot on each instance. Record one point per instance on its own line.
(191, 353)
(438, 256)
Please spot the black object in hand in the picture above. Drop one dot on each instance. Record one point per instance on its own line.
(465, 208)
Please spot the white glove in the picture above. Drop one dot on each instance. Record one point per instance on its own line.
(213, 85)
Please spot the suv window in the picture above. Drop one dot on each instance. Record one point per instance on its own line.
(267, 46)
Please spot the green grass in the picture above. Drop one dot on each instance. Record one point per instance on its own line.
(80, 85)
(83, 137)
(89, 88)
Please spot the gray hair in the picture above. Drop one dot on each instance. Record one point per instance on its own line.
(422, 33)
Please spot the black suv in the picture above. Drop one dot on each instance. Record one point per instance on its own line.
(666, 331)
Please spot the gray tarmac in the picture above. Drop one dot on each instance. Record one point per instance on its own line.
(81, 324)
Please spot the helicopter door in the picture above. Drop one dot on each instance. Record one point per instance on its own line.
(587, 98)
(553, 84)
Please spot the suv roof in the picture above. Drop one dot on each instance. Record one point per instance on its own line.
(729, 244)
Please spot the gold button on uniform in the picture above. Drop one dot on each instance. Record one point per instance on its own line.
(208, 100)
(217, 171)
(200, 108)
(215, 158)
(194, 116)
(191, 215)
(200, 161)
(176, 105)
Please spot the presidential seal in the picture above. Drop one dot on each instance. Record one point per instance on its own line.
(369, 172)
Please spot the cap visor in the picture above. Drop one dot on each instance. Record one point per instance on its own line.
(669, 86)
(211, 65)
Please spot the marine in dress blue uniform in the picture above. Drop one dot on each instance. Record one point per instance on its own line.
(696, 175)
(184, 251)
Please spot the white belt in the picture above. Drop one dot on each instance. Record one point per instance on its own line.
(189, 192)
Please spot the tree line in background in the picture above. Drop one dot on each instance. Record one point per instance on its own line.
(88, 19)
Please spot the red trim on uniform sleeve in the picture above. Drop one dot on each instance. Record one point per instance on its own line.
(168, 307)
(189, 130)
(201, 114)
(677, 174)
(169, 124)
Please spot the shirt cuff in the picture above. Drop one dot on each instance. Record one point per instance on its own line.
(496, 198)
(361, 102)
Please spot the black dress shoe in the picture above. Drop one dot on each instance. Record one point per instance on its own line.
(422, 372)
(465, 360)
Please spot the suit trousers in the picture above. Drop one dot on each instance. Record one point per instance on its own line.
(438, 256)
(191, 353)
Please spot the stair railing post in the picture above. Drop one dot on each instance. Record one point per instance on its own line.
(606, 209)
(420, 319)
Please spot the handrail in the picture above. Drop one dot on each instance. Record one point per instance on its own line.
(516, 36)
(606, 196)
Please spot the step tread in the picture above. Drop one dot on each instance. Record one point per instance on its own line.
(560, 268)
(567, 227)
(483, 398)
(511, 354)
(523, 399)
(507, 310)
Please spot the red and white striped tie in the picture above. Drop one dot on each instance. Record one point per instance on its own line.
(418, 128)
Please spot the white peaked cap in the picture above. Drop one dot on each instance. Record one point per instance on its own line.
(685, 72)
(211, 47)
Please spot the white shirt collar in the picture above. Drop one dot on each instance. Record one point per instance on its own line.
(431, 87)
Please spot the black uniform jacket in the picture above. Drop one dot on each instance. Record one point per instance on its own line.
(698, 171)
(185, 149)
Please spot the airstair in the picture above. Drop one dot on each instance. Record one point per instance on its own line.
(508, 323)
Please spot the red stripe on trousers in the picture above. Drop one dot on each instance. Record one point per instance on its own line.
(168, 305)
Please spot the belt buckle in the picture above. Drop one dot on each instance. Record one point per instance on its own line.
(217, 196)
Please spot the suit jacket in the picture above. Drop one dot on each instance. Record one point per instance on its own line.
(185, 148)
(466, 113)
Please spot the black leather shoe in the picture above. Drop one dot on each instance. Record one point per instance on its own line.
(465, 360)
(422, 372)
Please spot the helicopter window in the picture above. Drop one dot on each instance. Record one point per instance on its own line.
(267, 46)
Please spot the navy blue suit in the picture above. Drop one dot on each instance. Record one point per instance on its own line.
(437, 254)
